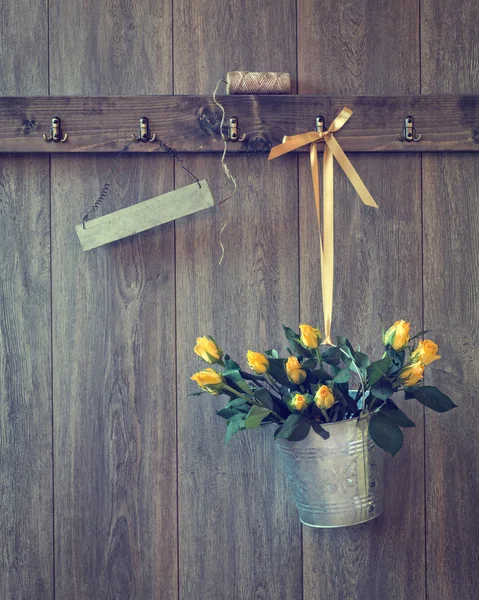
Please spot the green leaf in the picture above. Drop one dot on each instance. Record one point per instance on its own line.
(397, 359)
(318, 376)
(337, 413)
(342, 376)
(271, 353)
(345, 399)
(345, 345)
(377, 369)
(385, 434)
(382, 389)
(319, 430)
(276, 370)
(362, 362)
(234, 425)
(295, 428)
(309, 363)
(293, 339)
(255, 416)
(236, 403)
(226, 413)
(431, 397)
(234, 377)
(332, 356)
(396, 415)
(264, 397)
(230, 364)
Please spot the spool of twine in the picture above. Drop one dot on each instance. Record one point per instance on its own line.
(246, 82)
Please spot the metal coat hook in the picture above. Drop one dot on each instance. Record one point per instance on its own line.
(320, 124)
(234, 132)
(409, 132)
(56, 134)
(144, 133)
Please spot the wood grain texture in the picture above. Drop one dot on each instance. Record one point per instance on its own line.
(239, 531)
(377, 272)
(23, 48)
(26, 491)
(451, 272)
(113, 324)
(115, 463)
(448, 123)
(110, 47)
(145, 215)
(26, 515)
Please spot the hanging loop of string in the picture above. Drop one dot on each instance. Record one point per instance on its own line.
(107, 183)
(224, 166)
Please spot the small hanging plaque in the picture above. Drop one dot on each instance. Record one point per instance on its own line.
(145, 215)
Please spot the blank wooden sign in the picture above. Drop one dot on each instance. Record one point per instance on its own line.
(145, 215)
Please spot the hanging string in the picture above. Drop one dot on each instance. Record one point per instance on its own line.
(107, 183)
(106, 186)
(224, 166)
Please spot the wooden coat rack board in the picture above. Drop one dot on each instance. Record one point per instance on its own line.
(442, 123)
(448, 123)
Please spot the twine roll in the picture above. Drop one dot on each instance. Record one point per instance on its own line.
(245, 82)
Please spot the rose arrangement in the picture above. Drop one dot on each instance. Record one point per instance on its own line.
(312, 386)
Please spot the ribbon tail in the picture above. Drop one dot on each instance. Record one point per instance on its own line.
(328, 243)
(293, 142)
(350, 171)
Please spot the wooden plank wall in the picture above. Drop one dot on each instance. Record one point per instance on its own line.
(230, 549)
(113, 328)
(372, 249)
(114, 484)
(451, 276)
(26, 491)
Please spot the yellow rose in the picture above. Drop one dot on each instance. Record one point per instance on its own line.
(209, 381)
(310, 336)
(426, 352)
(299, 402)
(257, 362)
(324, 397)
(208, 350)
(411, 374)
(294, 371)
(397, 335)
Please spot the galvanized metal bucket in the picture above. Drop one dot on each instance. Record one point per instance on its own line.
(339, 481)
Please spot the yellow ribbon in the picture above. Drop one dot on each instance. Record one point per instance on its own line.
(326, 233)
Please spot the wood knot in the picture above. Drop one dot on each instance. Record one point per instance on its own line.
(209, 120)
(29, 125)
(258, 143)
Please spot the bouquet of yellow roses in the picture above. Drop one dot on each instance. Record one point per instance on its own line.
(311, 386)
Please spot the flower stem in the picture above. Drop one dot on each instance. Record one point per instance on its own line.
(364, 409)
(252, 401)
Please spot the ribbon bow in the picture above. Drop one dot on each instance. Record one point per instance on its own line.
(326, 233)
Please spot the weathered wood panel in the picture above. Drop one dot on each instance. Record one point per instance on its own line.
(113, 328)
(23, 48)
(378, 272)
(451, 273)
(240, 536)
(448, 123)
(26, 513)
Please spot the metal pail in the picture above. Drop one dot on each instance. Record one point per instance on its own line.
(339, 481)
